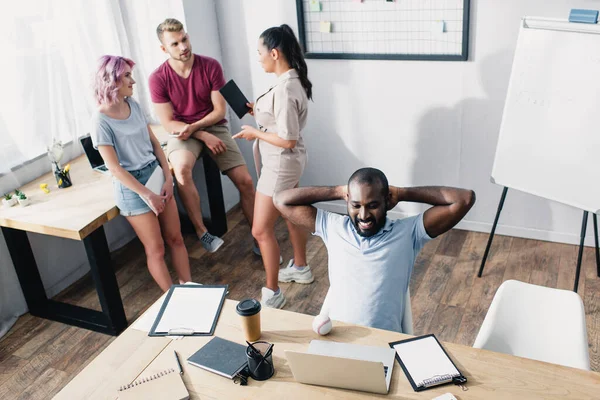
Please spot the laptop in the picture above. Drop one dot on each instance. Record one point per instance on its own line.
(93, 155)
(344, 365)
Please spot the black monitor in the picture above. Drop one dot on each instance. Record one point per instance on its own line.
(92, 154)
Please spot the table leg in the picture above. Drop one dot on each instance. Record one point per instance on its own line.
(112, 321)
(105, 279)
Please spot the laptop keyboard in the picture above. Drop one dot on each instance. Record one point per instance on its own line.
(102, 168)
(385, 370)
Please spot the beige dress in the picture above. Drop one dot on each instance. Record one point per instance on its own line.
(282, 110)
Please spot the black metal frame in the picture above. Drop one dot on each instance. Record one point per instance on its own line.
(361, 56)
(581, 241)
(111, 320)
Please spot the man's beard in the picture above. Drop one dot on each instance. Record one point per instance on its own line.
(377, 225)
(181, 57)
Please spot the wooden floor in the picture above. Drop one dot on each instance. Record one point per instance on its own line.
(39, 357)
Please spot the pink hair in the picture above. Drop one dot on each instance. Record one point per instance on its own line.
(108, 76)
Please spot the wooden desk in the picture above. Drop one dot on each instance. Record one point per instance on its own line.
(491, 375)
(79, 213)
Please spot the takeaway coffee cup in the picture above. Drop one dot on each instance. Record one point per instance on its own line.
(249, 311)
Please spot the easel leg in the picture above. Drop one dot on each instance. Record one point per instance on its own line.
(595, 217)
(580, 256)
(491, 238)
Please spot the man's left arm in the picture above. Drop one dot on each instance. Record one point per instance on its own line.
(450, 205)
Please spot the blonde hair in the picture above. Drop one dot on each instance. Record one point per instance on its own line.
(168, 25)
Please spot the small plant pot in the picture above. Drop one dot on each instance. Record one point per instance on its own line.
(9, 203)
(24, 202)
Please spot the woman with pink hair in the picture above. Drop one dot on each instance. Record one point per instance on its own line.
(131, 152)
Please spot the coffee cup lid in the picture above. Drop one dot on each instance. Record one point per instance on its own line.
(248, 307)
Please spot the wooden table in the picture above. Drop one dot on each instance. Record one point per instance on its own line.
(79, 213)
(491, 375)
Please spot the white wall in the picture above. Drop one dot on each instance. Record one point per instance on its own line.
(422, 123)
(203, 27)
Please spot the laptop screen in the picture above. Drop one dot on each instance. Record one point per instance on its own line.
(92, 154)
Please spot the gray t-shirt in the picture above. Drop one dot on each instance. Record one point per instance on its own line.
(369, 277)
(129, 137)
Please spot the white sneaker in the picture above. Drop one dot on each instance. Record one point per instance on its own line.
(292, 274)
(256, 250)
(211, 243)
(272, 300)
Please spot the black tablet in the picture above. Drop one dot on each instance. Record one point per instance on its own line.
(235, 98)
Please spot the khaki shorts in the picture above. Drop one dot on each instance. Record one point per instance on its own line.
(225, 161)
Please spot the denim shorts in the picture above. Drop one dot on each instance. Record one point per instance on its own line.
(129, 202)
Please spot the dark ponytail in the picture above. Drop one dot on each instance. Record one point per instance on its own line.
(283, 39)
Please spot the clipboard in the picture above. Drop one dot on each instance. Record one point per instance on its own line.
(190, 310)
(446, 372)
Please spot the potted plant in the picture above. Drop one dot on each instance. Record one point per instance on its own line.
(9, 200)
(22, 198)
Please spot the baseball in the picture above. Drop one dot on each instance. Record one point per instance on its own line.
(322, 325)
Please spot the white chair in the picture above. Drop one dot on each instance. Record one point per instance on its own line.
(407, 319)
(536, 322)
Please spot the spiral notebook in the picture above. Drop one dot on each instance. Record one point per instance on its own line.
(426, 363)
(165, 385)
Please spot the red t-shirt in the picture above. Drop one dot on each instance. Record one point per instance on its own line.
(190, 97)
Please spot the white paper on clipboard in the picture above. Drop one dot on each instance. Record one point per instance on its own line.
(190, 310)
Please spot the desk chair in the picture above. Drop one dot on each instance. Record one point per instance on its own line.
(536, 322)
(407, 319)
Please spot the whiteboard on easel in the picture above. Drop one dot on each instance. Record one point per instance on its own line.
(549, 141)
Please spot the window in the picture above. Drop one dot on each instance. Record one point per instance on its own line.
(51, 49)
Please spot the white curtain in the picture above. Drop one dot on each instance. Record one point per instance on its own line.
(50, 54)
(51, 49)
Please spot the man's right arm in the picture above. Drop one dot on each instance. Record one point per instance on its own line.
(164, 111)
(296, 204)
(162, 103)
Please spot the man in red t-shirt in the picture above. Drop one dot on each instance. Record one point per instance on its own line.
(185, 93)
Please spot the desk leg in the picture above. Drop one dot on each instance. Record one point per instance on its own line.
(112, 321)
(105, 280)
(26, 269)
(218, 217)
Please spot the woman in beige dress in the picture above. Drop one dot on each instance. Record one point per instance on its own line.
(280, 114)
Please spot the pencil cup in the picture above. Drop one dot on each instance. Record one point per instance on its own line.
(260, 364)
(249, 311)
(63, 179)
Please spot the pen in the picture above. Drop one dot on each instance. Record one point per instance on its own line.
(178, 363)
(253, 348)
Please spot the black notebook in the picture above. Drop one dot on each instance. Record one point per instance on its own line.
(235, 98)
(220, 356)
(426, 363)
